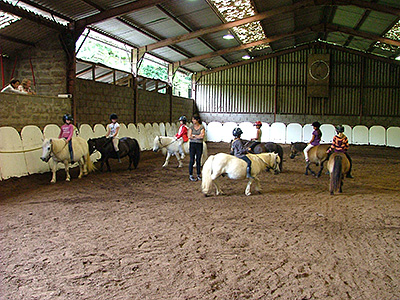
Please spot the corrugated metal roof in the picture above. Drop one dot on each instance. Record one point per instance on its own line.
(171, 19)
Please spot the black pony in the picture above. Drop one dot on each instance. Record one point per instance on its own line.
(266, 148)
(269, 147)
(127, 146)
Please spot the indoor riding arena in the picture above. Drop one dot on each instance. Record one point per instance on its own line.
(289, 74)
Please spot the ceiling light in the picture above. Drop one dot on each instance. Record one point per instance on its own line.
(246, 57)
(228, 37)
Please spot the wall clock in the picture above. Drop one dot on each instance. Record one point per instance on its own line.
(319, 70)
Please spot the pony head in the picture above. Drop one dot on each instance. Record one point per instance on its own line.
(296, 148)
(92, 146)
(272, 161)
(46, 150)
(157, 143)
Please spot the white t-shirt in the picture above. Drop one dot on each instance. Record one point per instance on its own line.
(113, 128)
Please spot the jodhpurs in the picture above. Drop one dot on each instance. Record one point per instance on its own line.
(115, 141)
(306, 149)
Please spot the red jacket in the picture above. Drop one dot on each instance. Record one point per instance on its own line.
(182, 133)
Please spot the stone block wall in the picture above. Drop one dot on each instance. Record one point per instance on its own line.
(95, 101)
(20, 110)
(49, 63)
(153, 107)
(182, 107)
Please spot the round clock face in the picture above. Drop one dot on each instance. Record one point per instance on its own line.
(319, 70)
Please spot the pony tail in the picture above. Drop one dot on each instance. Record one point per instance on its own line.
(89, 164)
(206, 181)
(336, 173)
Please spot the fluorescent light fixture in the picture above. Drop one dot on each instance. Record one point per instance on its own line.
(228, 37)
(246, 57)
(398, 57)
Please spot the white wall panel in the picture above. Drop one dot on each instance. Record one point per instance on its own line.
(99, 130)
(393, 136)
(348, 131)
(307, 132)
(249, 131)
(226, 131)
(142, 138)
(214, 132)
(12, 158)
(86, 132)
(360, 135)
(32, 140)
(123, 130)
(278, 133)
(328, 132)
(51, 131)
(265, 132)
(294, 133)
(377, 135)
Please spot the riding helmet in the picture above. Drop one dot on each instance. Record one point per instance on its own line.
(340, 128)
(67, 117)
(258, 123)
(183, 118)
(237, 132)
(113, 117)
(316, 124)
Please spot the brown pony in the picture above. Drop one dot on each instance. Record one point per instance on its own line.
(317, 155)
(338, 165)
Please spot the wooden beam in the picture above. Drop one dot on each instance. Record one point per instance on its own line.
(259, 58)
(258, 17)
(117, 11)
(365, 35)
(369, 5)
(294, 49)
(249, 45)
(15, 40)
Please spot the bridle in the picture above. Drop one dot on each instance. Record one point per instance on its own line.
(275, 163)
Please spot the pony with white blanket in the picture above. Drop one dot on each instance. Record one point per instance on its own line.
(235, 168)
(57, 149)
(170, 145)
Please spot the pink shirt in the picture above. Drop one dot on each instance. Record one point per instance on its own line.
(66, 132)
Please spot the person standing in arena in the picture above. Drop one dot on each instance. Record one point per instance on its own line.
(196, 135)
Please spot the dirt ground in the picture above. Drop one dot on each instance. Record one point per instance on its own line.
(149, 233)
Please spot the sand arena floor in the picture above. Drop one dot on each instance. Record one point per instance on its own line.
(151, 234)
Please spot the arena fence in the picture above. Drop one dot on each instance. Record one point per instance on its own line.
(20, 152)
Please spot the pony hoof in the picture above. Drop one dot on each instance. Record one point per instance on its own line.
(53, 181)
(68, 179)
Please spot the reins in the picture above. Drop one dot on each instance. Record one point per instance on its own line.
(55, 153)
(162, 146)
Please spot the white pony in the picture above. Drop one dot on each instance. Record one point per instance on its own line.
(235, 168)
(171, 146)
(58, 150)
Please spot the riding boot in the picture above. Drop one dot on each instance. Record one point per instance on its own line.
(249, 172)
(119, 159)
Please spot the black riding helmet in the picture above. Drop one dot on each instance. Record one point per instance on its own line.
(67, 117)
(183, 119)
(237, 132)
(113, 117)
(340, 128)
(316, 124)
